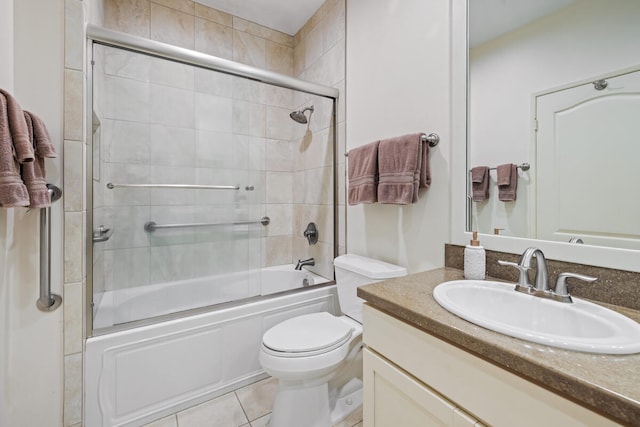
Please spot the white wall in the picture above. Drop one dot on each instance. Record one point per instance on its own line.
(31, 369)
(6, 82)
(398, 75)
(585, 40)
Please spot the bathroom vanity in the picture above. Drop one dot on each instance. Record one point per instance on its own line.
(426, 366)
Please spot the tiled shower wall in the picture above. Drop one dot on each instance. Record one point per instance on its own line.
(319, 57)
(296, 166)
(316, 54)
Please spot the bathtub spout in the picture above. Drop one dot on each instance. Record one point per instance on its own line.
(303, 262)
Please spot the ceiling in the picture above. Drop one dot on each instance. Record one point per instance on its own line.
(489, 19)
(287, 16)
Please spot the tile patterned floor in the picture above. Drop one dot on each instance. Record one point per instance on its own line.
(249, 406)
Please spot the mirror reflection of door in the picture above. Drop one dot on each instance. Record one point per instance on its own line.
(587, 152)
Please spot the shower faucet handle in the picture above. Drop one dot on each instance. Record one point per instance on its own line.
(311, 233)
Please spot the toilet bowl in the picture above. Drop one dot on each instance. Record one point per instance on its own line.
(317, 357)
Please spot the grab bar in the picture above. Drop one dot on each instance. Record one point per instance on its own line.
(111, 186)
(47, 301)
(151, 226)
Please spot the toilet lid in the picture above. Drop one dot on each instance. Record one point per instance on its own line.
(308, 333)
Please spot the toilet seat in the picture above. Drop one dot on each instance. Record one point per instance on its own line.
(307, 335)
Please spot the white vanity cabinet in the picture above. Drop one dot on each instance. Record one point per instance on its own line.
(412, 378)
(397, 399)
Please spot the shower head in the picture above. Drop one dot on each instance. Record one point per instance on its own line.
(299, 116)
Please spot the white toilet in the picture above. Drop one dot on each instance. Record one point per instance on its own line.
(317, 357)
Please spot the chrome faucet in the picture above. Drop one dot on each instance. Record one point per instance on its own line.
(541, 287)
(542, 277)
(302, 262)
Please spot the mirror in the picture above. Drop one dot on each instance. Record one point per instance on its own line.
(535, 97)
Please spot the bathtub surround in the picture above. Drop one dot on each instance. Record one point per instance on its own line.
(295, 157)
(315, 54)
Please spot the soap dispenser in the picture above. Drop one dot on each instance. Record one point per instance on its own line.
(475, 260)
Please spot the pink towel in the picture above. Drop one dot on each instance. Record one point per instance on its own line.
(33, 173)
(400, 161)
(480, 183)
(13, 192)
(507, 182)
(363, 174)
(18, 128)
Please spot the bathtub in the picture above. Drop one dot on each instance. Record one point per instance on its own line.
(144, 302)
(141, 374)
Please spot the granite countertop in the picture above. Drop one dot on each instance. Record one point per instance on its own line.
(607, 384)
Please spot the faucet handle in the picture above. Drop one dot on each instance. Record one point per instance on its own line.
(561, 288)
(523, 279)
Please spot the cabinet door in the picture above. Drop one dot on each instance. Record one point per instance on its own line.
(392, 398)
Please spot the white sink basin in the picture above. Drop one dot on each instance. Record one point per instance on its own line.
(579, 326)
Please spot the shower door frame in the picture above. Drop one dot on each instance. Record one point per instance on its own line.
(102, 36)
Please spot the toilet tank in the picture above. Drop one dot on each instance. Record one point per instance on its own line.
(355, 270)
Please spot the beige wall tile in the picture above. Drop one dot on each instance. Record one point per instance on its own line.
(74, 34)
(73, 105)
(341, 101)
(74, 182)
(279, 58)
(278, 250)
(315, 19)
(323, 254)
(249, 49)
(262, 31)
(298, 58)
(281, 220)
(73, 389)
(334, 65)
(279, 124)
(213, 38)
(320, 151)
(72, 301)
(172, 26)
(129, 16)
(186, 6)
(313, 46)
(73, 247)
(214, 15)
(334, 23)
(319, 186)
(279, 187)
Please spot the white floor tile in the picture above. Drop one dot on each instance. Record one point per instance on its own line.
(169, 421)
(257, 399)
(224, 411)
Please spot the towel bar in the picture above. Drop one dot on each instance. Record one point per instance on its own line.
(524, 166)
(111, 186)
(433, 139)
(151, 226)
